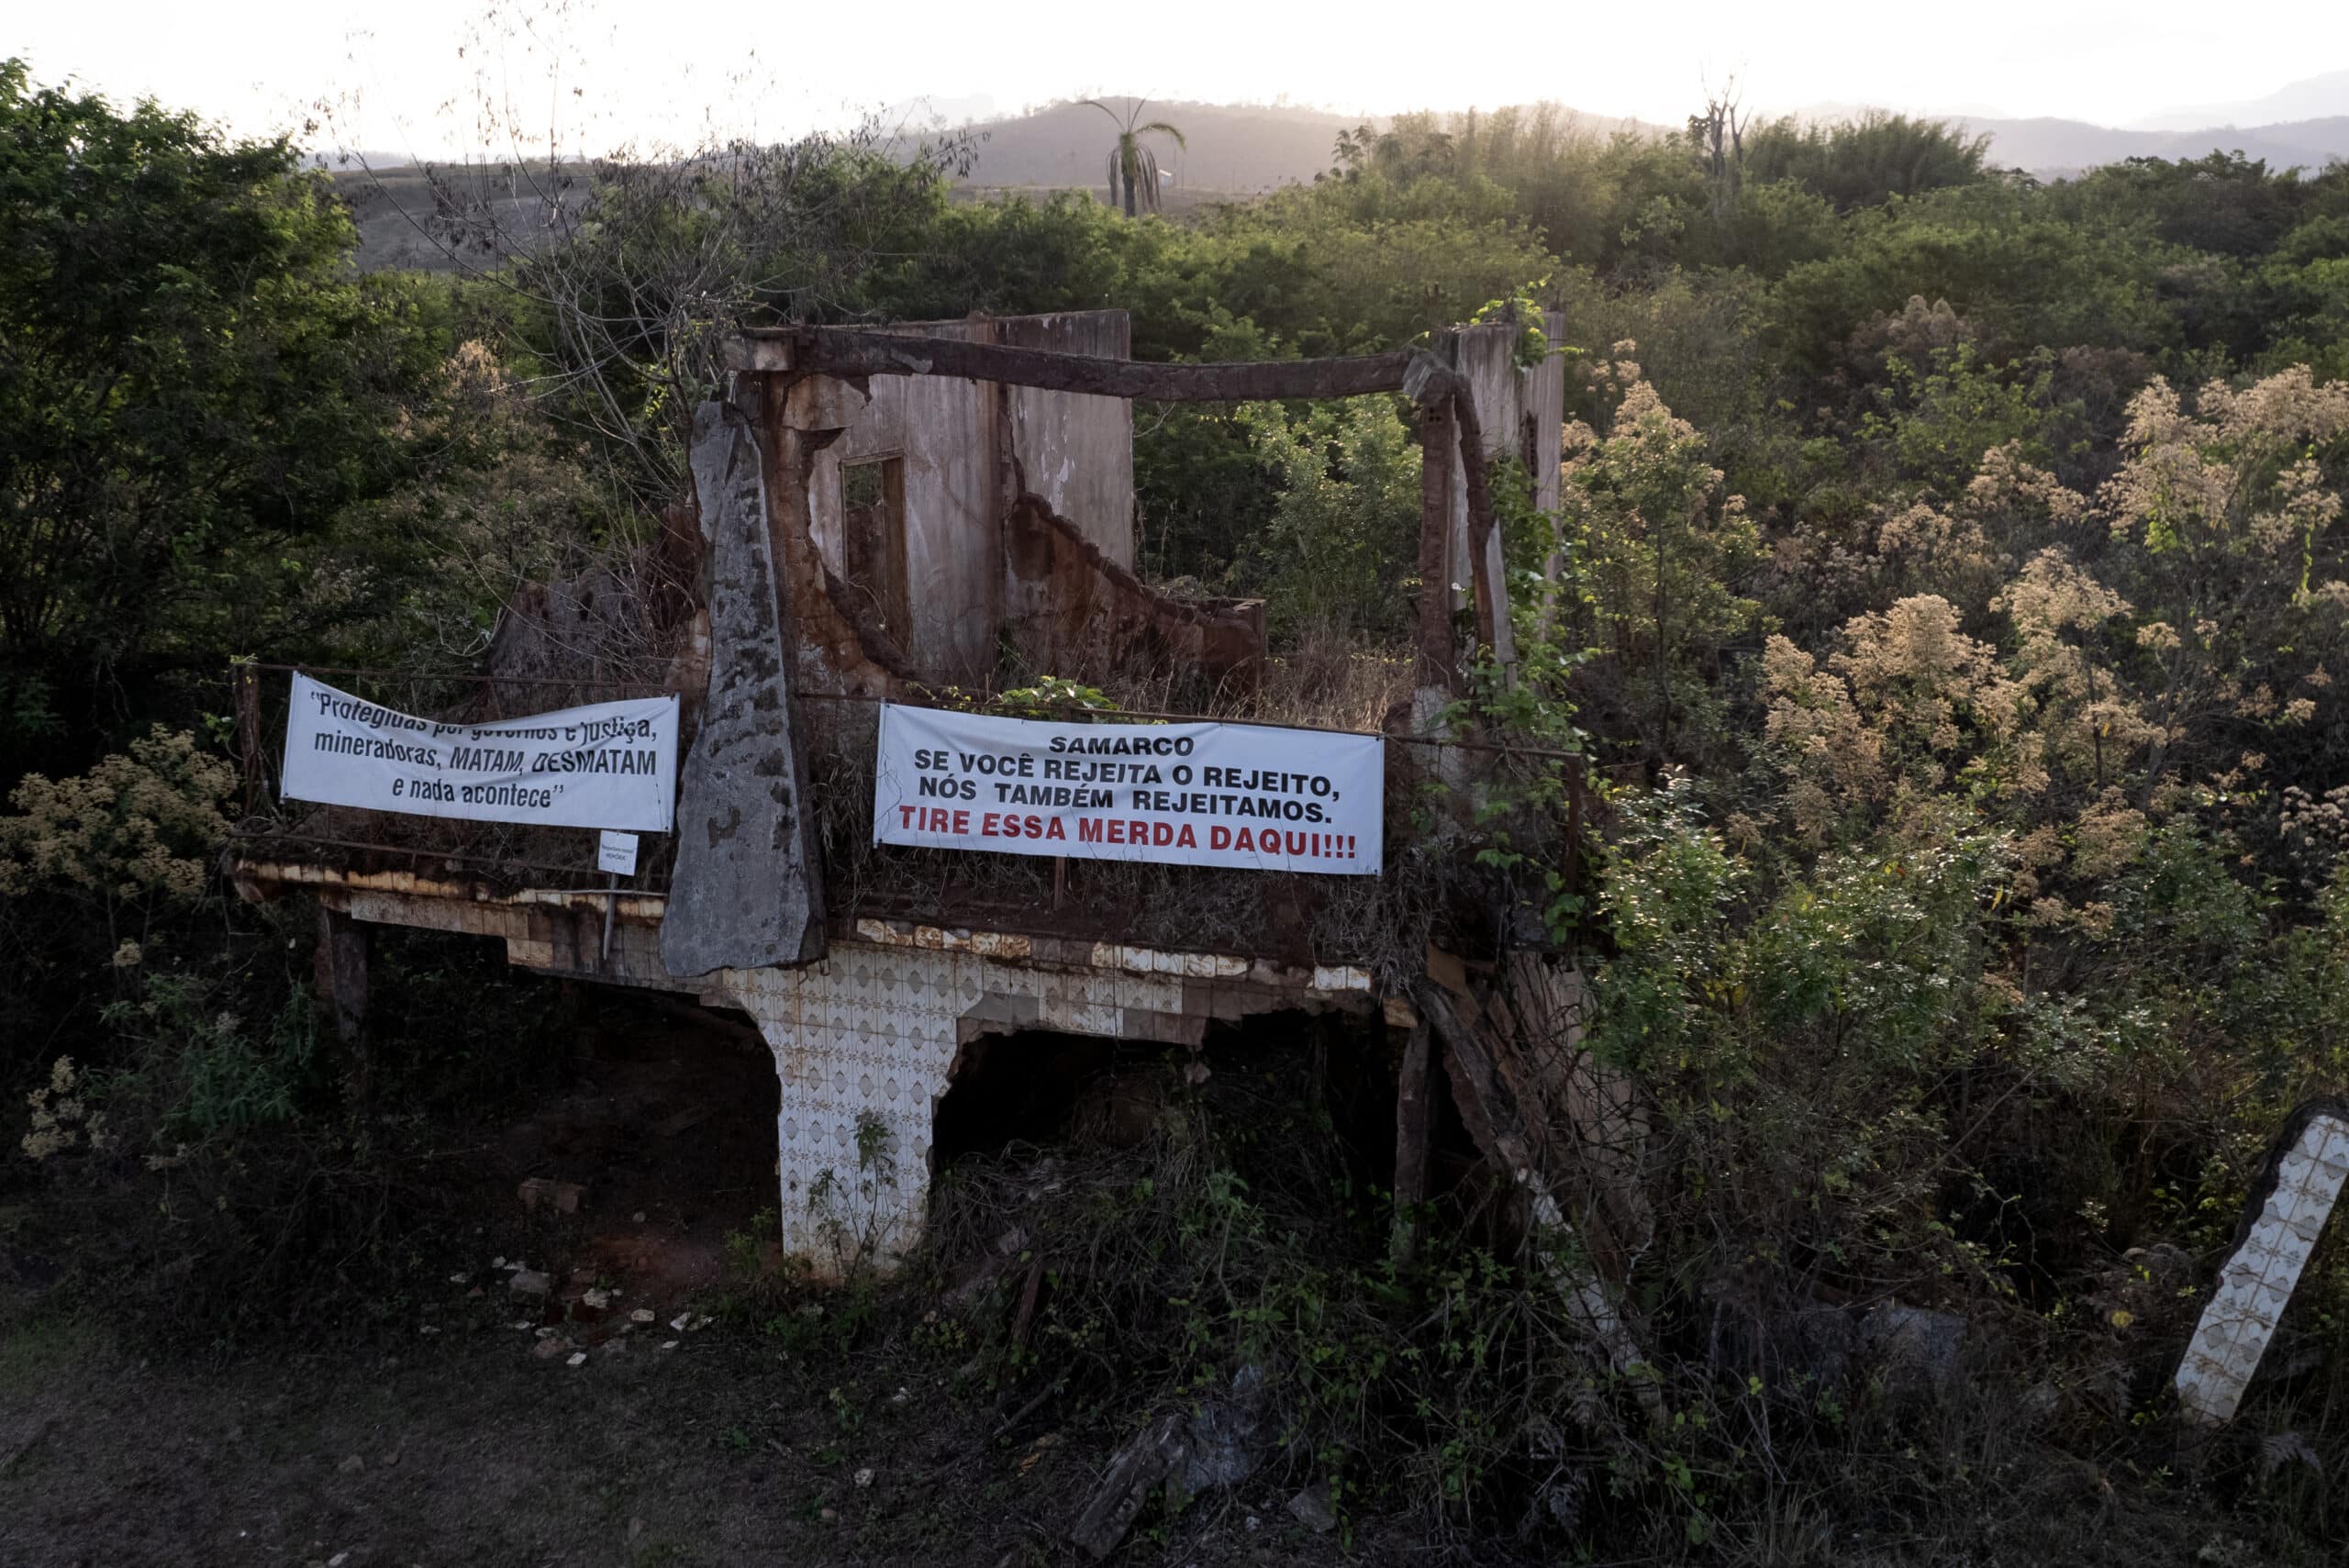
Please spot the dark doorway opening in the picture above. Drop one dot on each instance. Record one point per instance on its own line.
(1039, 1088)
(667, 1131)
(872, 541)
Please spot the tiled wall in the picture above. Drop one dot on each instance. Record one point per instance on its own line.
(869, 1036)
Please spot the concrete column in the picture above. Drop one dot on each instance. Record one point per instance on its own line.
(2258, 1281)
(863, 1042)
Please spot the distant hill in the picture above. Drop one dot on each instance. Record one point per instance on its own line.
(343, 160)
(2053, 147)
(1234, 148)
(2312, 98)
(920, 114)
(1237, 150)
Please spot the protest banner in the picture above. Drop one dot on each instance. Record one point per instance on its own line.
(607, 765)
(1248, 797)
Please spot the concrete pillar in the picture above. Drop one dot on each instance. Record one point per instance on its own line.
(863, 1042)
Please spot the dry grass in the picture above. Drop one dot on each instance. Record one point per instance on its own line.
(1326, 680)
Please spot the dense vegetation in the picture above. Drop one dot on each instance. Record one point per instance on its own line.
(1954, 587)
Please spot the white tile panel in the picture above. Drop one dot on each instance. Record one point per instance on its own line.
(2257, 1283)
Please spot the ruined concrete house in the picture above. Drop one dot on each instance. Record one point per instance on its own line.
(881, 515)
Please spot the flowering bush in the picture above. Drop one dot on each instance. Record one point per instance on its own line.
(138, 826)
(61, 1118)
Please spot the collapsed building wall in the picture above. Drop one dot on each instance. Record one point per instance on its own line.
(1072, 611)
(866, 533)
(1076, 451)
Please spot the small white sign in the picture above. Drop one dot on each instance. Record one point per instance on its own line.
(616, 852)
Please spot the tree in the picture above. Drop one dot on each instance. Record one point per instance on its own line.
(1132, 159)
(192, 385)
(1334, 555)
(1718, 137)
(1867, 161)
(624, 267)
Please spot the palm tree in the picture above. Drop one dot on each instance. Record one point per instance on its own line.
(1130, 159)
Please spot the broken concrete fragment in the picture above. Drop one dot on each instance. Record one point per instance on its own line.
(548, 1349)
(748, 888)
(578, 1358)
(1918, 1350)
(1225, 1437)
(1219, 1445)
(1311, 1508)
(2306, 1172)
(1147, 1463)
(564, 1197)
(642, 1315)
(529, 1281)
(596, 1300)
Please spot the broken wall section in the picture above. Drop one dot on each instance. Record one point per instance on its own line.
(905, 503)
(1522, 411)
(1073, 611)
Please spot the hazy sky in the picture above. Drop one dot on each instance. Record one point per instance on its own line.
(652, 70)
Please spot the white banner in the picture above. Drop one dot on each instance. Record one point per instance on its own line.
(613, 764)
(1243, 796)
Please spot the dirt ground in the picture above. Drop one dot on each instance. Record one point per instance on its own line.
(450, 1425)
(467, 1450)
(455, 1429)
